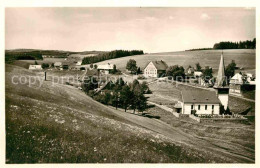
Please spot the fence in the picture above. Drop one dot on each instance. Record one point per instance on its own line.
(218, 118)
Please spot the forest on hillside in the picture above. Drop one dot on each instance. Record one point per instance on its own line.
(110, 55)
(248, 44)
(28, 55)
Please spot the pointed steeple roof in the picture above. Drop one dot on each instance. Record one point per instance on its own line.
(221, 80)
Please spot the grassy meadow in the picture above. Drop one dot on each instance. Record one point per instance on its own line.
(243, 57)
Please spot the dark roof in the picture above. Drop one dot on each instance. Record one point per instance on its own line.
(199, 96)
(159, 65)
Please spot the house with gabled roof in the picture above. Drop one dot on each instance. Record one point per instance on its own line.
(201, 101)
(155, 69)
(105, 68)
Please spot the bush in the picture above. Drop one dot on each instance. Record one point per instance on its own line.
(45, 65)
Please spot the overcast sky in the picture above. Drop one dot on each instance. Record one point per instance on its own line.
(149, 29)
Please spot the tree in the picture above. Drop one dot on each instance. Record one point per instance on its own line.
(114, 70)
(95, 66)
(126, 96)
(198, 67)
(230, 70)
(52, 65)
(207, 74)
(91, 66)
(177, 72)
(45, 65)
(144, 87)
(35, 63)
(139, 70)
(138, 100)
(131, 66)
(89, 83)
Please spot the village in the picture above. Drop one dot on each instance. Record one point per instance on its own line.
(207, 98)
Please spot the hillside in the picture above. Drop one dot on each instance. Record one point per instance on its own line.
(243, 57)
(59, 123)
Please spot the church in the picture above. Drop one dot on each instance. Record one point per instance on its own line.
(204, 101)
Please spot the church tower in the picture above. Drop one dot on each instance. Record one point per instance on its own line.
(221, 85)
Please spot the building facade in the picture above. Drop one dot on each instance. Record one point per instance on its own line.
(202, 102)
(155, 69)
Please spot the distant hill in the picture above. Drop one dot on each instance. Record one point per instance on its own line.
(38, 54)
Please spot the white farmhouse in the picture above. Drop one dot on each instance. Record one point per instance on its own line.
(106, 68)
(204, 102)
(35, 67)
(155, 69)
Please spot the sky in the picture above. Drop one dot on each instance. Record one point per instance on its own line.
(105, 29)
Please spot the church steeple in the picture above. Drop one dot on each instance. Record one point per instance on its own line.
(221, 80)
(221, 84)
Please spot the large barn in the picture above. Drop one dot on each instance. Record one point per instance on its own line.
(155, 69)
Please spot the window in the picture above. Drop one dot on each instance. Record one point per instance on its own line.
(198, 107)
(206, 107)
(212, 107)
(191, 106)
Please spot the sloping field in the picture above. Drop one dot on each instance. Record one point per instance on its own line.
(243, 57)
(59, 123)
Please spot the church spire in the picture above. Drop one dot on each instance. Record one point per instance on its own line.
(221, 80)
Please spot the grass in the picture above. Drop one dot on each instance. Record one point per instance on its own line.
(243, 57)
(60, 124)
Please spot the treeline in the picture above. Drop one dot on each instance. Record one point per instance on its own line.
(31, 55)
(197, 49)
(110, 55)
(248, 44)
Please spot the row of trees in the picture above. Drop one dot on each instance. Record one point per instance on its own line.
(119, 94)
(110, 55)
(248, 44)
